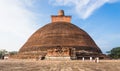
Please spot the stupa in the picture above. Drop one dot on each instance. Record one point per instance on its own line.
(60, 39)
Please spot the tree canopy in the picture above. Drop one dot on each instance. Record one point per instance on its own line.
(3, 53)
(13, 52)
(114, 53)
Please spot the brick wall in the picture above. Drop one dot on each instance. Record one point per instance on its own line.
(61, 18)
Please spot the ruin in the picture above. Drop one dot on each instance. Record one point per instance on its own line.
(60, 39)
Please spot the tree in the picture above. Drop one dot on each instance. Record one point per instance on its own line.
(3, 53)
(13, 52)
(114, 53)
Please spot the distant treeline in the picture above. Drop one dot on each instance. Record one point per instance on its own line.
(114, 53)
(6, 53)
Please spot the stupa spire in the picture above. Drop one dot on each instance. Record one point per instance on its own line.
(61, 13)
(61, 17)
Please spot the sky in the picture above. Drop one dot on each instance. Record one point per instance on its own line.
(19, 19)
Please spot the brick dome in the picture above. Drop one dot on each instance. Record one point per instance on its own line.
(60, 39)
(61, 34)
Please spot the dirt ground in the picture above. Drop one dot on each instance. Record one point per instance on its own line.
(33, 65)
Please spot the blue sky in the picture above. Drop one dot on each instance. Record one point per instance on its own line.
(19, 19)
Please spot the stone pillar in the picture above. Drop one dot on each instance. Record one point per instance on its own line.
(83, 59)
(97, 59)
(90, 58)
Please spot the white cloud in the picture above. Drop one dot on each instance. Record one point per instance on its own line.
(84, 8)
(16, 24)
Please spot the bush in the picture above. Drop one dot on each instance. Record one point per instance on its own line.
(114, 53)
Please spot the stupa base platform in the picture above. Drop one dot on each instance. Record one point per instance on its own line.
(57, 58)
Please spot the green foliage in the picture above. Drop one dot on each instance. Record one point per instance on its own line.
(13, 52)
(3, 53)
(114, 53)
